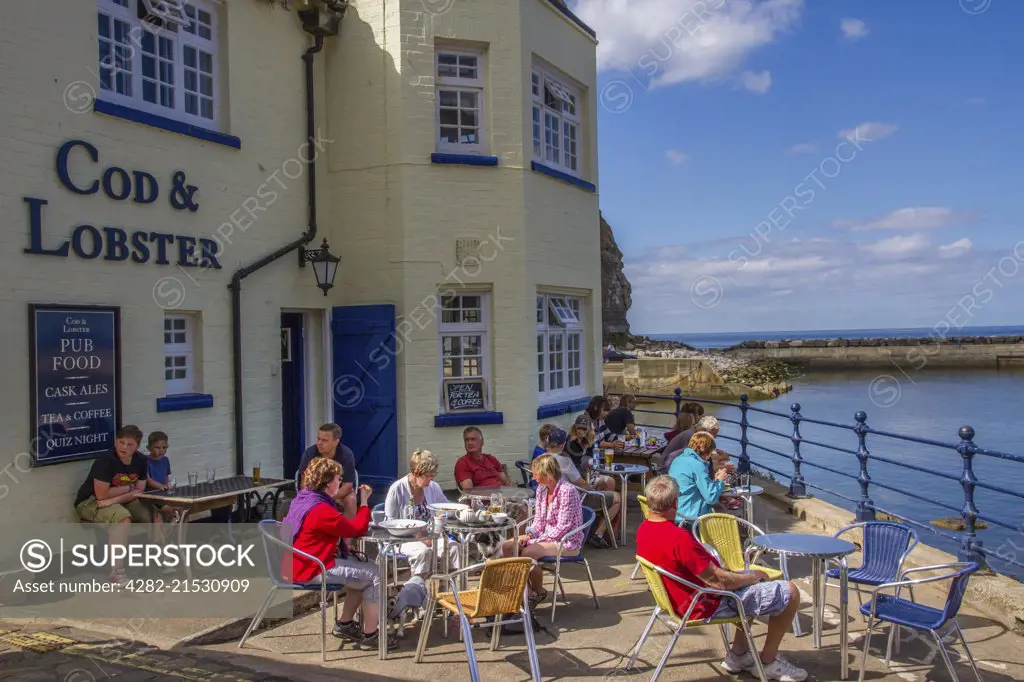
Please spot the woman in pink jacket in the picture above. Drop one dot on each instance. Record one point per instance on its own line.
(559, 510)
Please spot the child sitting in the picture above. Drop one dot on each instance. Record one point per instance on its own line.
(542, 448)
(158, 476)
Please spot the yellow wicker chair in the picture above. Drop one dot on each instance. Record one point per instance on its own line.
(664, 612)
(502, 591)
(642, 501)
(721, 533)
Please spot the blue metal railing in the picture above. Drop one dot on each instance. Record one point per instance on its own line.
(970, 547)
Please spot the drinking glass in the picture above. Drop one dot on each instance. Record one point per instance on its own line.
(211, 475)
(170, 484)
(609, 457)
(193, 478)
(256, 472)
(497, 503)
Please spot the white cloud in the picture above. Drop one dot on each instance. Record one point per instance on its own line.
(757, 82)
(954, 249)
(900, 245)
(676, 157)
(912, 218)
(870, 131)
(803, 148)
(674, 41)
(853, 29)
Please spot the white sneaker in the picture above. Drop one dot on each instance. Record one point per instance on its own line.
(738, 663)
(784, 671)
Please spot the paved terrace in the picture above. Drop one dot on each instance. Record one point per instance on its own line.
(589, 644)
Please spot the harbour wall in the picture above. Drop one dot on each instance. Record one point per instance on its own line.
(916, 354)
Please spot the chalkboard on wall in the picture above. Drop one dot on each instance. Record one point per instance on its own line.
(465, 395)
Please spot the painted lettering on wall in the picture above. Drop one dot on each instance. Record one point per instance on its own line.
(75, 374)
(115, 243)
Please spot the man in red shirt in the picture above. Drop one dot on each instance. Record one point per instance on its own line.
(477, 469)
(664, 544)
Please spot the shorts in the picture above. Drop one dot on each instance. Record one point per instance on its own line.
(136, 510)
(760, 599)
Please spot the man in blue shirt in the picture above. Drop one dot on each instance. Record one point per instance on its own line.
(697, 490)
(328, 444)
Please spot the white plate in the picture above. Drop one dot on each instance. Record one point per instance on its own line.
(403, 527)
(447, 506)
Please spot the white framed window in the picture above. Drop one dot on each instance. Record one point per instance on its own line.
(464, 342)
(560, 348)
(556, 122)
(460, 101)
(179, 354)
(160, 56)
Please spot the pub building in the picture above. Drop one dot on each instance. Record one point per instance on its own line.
(235, 221)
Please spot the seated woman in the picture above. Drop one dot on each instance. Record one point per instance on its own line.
(558, 511)
(602, 484)
(580, 445)
(697, 490)
(408, 498)
(317, 528)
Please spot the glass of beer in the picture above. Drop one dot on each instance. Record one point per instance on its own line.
(256, 472)
(497, 503)
(609, 456)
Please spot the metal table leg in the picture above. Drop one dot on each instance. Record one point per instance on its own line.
(624, 506)
(843, 603)
(818, 606)
(382, 606)
(182, 516)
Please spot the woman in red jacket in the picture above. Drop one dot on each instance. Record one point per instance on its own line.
(317, 528)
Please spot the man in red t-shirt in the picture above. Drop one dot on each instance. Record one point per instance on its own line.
(664, 544)
(476, 469)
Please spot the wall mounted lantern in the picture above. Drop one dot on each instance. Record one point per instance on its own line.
(325, 264)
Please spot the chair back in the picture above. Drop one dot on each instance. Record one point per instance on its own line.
(657, 586)
(722, 532)
(501, 587)
(957, 589)
(276, 548)
(526, 471)
(589, 516)
(885, 546)
(642, 501)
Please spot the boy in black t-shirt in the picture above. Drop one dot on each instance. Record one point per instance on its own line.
(110, 493)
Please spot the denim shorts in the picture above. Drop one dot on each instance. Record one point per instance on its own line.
(760, 599)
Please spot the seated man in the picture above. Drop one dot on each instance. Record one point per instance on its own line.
(476, 469)
(328, 445)
(667, 546)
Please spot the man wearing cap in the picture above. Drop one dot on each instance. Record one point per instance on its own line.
(603, 485)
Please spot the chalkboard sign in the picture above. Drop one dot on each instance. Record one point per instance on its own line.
(465, 395)
(75, 381)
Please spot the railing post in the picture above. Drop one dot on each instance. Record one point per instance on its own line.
(797, 487)
(744, 468)
(865, 508)
(969, 548)
(678, 398)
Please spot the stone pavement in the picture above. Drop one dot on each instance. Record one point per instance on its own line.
(587, 643)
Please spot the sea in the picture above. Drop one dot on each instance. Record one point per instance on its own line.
(932, 404)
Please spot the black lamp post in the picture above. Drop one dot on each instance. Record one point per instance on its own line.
(325, 264)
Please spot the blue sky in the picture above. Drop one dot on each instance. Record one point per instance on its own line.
(708, 122)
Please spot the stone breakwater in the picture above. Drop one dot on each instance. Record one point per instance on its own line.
(886, 341)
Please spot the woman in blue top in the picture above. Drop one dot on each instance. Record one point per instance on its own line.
(697, 490)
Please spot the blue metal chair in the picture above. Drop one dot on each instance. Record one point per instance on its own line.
(886, 545)
(527, 473)
(547, 562)
(276, 548)
(906, 613)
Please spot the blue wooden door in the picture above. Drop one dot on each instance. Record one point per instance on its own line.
(293, 392)
(365, 389)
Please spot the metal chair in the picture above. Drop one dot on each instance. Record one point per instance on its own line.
(276, 550)
(392, 552)
(503, 590)
(604, 510)
(527, 473)
(546, 562)
(720, 534)
(665, 612)
(899, 612)
(642, 501)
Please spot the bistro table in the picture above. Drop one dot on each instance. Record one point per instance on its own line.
(509, 492)
(217, 494)
(747, 494)
(623, 471)
(464, 531)
(385, 541)
(818, 548)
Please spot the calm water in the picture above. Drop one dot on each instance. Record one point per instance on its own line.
(930, 404)
(726, 339)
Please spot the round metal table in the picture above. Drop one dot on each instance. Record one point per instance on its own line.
(464, 531)
(818, 548)
(747, 494)
(623, 471)
(508, 492)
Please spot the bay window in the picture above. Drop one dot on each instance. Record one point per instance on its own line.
(560, 347)
(556, 122)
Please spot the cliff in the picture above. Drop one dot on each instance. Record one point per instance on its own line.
(616, 292)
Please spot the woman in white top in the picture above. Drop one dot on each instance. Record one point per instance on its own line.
(408, 498)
